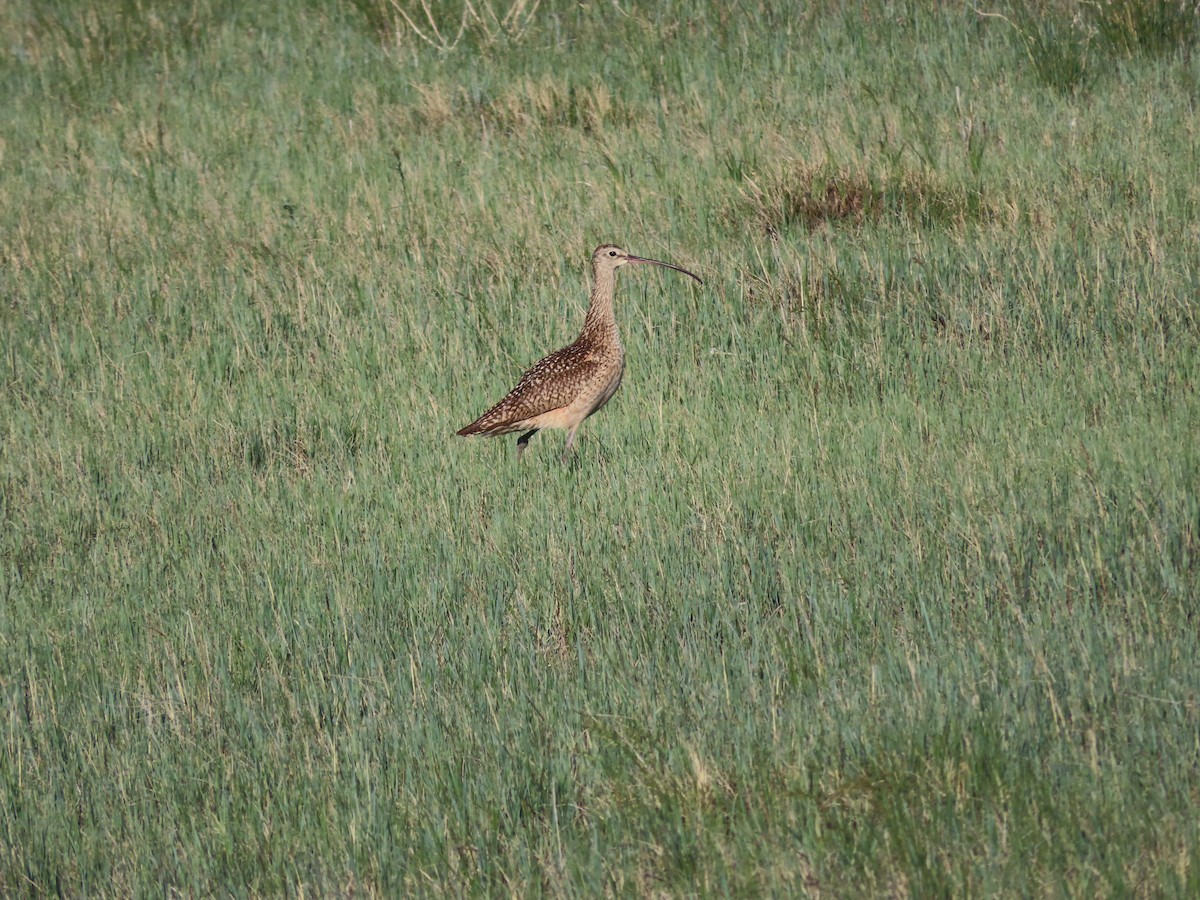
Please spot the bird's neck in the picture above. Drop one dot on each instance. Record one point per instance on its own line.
(600, 321)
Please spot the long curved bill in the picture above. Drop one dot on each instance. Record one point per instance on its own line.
(658, 262)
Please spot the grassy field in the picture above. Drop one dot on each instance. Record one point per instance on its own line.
(880, 576)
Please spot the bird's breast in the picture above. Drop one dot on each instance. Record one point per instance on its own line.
(607, 386)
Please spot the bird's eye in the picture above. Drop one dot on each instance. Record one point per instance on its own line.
(612, 252)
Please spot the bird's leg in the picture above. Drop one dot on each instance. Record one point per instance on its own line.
(523, 442)
(567, 448)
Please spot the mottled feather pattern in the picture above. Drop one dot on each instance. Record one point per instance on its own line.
(551, 383)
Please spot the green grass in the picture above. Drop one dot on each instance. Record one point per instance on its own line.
(879, 577)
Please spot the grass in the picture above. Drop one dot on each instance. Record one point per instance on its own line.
(1071, 43)
(879, 577)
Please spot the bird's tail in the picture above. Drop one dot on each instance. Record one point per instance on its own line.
(490, 423)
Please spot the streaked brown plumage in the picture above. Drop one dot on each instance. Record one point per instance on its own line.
(566, 387)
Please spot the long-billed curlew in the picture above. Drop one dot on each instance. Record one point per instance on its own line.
(570, 384)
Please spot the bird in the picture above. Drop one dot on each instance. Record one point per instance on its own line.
(564, 388)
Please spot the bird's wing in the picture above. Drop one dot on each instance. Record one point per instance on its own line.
(549, 384)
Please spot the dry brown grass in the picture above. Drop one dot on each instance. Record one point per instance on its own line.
(797, 193)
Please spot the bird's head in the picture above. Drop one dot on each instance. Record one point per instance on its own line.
(609, 257)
